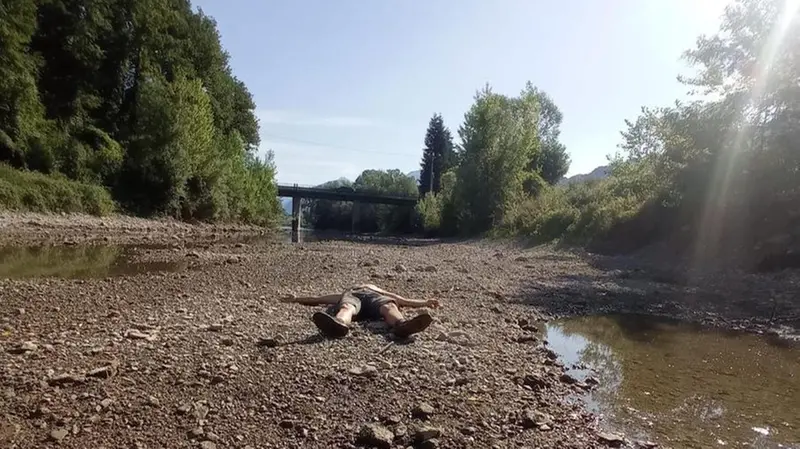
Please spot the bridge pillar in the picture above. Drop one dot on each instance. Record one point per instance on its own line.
(296, 216)
(356, 217)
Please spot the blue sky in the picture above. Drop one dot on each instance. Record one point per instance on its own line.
(346, 85)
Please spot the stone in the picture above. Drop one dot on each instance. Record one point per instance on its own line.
(535, 419)
(433, 443)
(103, 372)
(65, 379)
(430, 269)
(534, 382)
(207, 444)
(468, 431)
(267, 342)
(611, 439)
(392, 419)
(527, 339)
(197, 432)
(135, 334)
(105, 403)
(375, 435)
(58, 434)
(592, 381)
(184, 409)
(364, 371)
(400, 431)
(568, 379)
(227, 341)
(400, 268)
(425, 433)
(530, 328)
(423, 411)
(24, 347)
(215, 327)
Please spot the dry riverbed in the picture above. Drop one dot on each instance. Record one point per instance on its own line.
(207, 357)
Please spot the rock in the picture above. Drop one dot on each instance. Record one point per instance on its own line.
(208, 445)
(66, 379)
(103, 372)
(611, 439)
(153, 401)
(267, 342)
(535, 419)
(534, 382)
(527, 339)
(105, 403)
(20, 311)
(400, 268)
(375, 435)
(430, 269)
(496, 309)
(400, 431)
(135, 334)
(193, 255)
(426, 433)
(423, 411)
(530, 328)
(197, 432)
(184, 409)
(58, 434)
(433, 443)
(286, 424)
(364, 371)
(24, 347)
(646, 444)
(227, 341)
(392, 419)
(468, 430)
(592, 381)
(568, 379)
(215, 327)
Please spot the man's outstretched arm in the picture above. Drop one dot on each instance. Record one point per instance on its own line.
(313, 300)
(404, 302)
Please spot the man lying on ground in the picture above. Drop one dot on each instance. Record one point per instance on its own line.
(366, 301)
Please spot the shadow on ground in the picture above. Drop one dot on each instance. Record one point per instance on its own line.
(616, 285)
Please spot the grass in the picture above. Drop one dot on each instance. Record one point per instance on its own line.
(36, 192)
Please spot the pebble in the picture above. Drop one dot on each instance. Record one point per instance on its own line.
(425, 433)
(423, 410)
(375, 435)
(364, 371)
(58, 434)
(611, 439)
(208, 445)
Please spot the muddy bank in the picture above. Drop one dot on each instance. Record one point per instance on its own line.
(172, 358)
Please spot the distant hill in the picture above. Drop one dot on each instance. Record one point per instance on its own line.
(601, 172)
(286, 203)
(414, 174)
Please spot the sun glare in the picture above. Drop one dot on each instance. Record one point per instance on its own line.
(727, 166)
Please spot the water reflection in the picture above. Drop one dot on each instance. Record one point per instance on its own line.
(682, 385)
(78, 262)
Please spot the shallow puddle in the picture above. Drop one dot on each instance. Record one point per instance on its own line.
(78, 262)
(682, 385)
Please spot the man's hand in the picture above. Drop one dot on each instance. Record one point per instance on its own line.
(433, 303)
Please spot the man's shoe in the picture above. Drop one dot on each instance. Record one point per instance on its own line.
(417, 324)
(330, 326)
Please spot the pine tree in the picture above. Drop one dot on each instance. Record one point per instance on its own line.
(437, 156)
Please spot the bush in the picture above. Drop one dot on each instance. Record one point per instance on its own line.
(37, 192)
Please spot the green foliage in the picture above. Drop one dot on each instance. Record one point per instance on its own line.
(500, 141)
(36, 192)
(438, 156)
(135, 96)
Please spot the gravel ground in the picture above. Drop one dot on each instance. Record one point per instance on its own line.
(208, 357)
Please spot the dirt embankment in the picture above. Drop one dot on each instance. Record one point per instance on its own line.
(207, 357)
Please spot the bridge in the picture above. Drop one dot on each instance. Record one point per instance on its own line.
(297, 192)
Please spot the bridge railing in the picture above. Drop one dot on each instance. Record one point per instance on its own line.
(346, 189)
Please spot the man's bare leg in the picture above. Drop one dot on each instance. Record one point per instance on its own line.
(401, 326)
(345, 313)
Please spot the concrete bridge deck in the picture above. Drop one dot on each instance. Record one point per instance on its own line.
(344, 194)
(297, 192)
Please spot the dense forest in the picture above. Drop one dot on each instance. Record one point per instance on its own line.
(126, 105)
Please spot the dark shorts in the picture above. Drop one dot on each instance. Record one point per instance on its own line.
(367, 303)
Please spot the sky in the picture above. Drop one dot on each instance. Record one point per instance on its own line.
(347, 85)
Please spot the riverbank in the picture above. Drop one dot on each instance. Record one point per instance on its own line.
(206, 354)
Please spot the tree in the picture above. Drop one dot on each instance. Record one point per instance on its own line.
(499, 140)
(438, 155)
(553, 161)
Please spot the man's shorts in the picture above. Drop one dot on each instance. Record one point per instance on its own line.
(367, 303)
